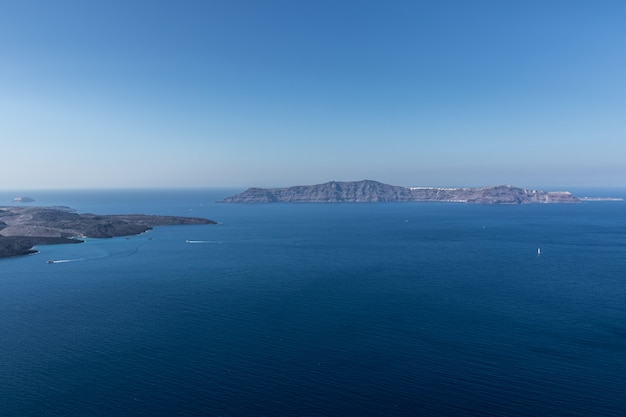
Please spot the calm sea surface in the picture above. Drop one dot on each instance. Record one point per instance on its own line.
(320, 310)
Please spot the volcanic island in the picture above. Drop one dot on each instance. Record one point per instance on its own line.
(22, 228)
(368, 191)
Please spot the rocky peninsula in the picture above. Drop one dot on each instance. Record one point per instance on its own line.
(367, 191)
(22, 228)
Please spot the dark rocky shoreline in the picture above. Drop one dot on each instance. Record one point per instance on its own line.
(22, 228)
(20, 245)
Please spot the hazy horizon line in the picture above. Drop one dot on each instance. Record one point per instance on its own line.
(230, 187)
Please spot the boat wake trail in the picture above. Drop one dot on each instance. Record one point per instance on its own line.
(62, 261)
(202, 241)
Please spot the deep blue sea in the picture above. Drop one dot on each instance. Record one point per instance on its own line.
(389, 309)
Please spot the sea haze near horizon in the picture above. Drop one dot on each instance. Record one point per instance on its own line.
(378, 309)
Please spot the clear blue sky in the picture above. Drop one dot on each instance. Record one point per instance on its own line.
(276, 93)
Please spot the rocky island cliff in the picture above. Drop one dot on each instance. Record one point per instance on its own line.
(367, 191)
(21, 228)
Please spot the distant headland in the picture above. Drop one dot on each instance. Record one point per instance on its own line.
(22, 228)
(23, 200)
(368, 191)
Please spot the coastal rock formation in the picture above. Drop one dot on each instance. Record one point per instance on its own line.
(23, 245)
(21, 228)
(372, 191)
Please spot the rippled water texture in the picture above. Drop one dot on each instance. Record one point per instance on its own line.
(310, 310)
